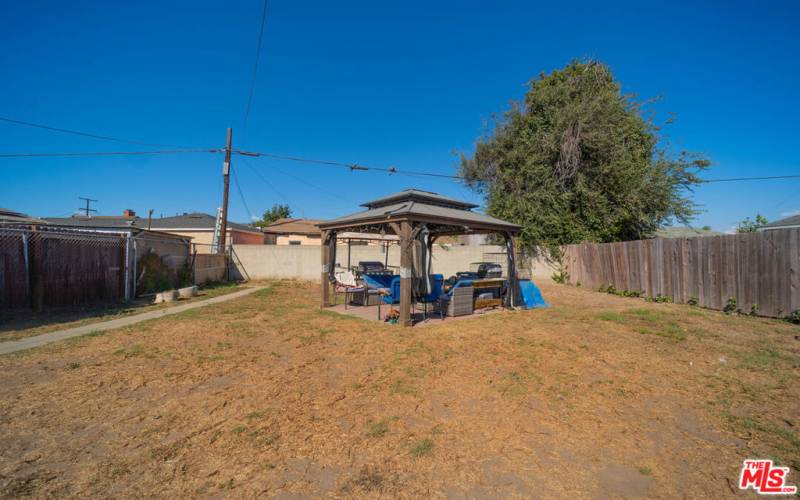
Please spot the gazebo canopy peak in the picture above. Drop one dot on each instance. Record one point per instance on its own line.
(442, 215)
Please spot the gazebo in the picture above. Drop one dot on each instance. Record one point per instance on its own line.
(418, 218)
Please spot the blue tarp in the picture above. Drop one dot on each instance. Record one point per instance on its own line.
(531, 295)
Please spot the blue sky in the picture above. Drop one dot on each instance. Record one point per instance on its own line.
(406, 84)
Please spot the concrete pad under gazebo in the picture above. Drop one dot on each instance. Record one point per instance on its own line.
(404, 215)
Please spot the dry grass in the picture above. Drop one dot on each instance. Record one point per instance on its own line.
(267, 395)
(19, 324)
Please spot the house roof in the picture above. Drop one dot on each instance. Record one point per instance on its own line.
(189, 222)
(421, 206)
(195, 221)
(294, 226)
(427, 197)
(7, 215)
(793, 221)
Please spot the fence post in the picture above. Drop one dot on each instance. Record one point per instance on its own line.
(129, 270)
(35, 284)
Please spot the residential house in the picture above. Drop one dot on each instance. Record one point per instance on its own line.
(787, 223)
(200, 227)
(197, 226)
(291, 231)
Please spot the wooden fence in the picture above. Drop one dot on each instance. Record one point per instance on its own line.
(759, 270)
(40, 269)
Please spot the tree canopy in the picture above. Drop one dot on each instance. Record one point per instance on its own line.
(276, 212)
(749, 226)
(577, 160)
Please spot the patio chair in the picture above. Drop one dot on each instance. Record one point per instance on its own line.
(437, 283)
(346, 283)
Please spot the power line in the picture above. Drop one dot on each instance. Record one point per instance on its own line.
(107, 153)
(736, 179)
(241, 195)
(87, 134)
(395, 170)
(255, 68)
(352, 166)
(264, 179)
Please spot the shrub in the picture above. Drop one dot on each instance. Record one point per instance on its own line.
(154, 275)
(794, 317)
(561, 276)
(731, 306)
(693, 301)
(661, 299)
(608, 289)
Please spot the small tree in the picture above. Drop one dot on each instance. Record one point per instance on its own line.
(748, 226)
(276, 212)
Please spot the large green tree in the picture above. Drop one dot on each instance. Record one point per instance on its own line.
(577, 160)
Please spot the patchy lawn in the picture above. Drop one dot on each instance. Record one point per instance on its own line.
(596, 396)
(19, 324)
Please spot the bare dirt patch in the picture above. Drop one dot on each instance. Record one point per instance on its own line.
(267, 395)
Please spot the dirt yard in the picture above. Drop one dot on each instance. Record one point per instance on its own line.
(597, 396)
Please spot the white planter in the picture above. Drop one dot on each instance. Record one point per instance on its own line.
(185, 293)
(168, 296)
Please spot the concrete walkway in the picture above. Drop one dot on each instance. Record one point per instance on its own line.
(46, 338)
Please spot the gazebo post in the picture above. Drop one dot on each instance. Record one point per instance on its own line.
(326, 258)
(511, 259)
(349, 241)
(406, 265)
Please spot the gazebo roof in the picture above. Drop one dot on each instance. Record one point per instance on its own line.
(421, 206)
(426, 197)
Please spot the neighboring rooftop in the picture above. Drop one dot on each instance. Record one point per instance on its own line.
(685, 232)
(307, 227)
(190, 222)
(793, 221)
(7, 215)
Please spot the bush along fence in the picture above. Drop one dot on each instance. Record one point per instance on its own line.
(46, 266)
(756, 273)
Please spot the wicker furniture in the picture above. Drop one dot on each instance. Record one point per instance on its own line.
(459, 303)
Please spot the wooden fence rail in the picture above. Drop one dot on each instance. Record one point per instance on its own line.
(759, 270)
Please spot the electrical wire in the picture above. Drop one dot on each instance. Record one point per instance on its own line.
(241, 194)
(765, 178)
(264, 179)
(352, 166)
(255, 68)
(107, 153)
(87, 134)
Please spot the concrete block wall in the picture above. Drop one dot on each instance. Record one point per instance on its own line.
(303, 262)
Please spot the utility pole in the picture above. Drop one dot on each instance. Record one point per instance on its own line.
(87, 209)
(226, 172)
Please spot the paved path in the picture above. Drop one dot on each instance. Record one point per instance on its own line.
(40, 340)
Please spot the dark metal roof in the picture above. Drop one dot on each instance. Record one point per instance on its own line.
(421, 196)
(422, 210)
(792, 221)
(192, 222)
